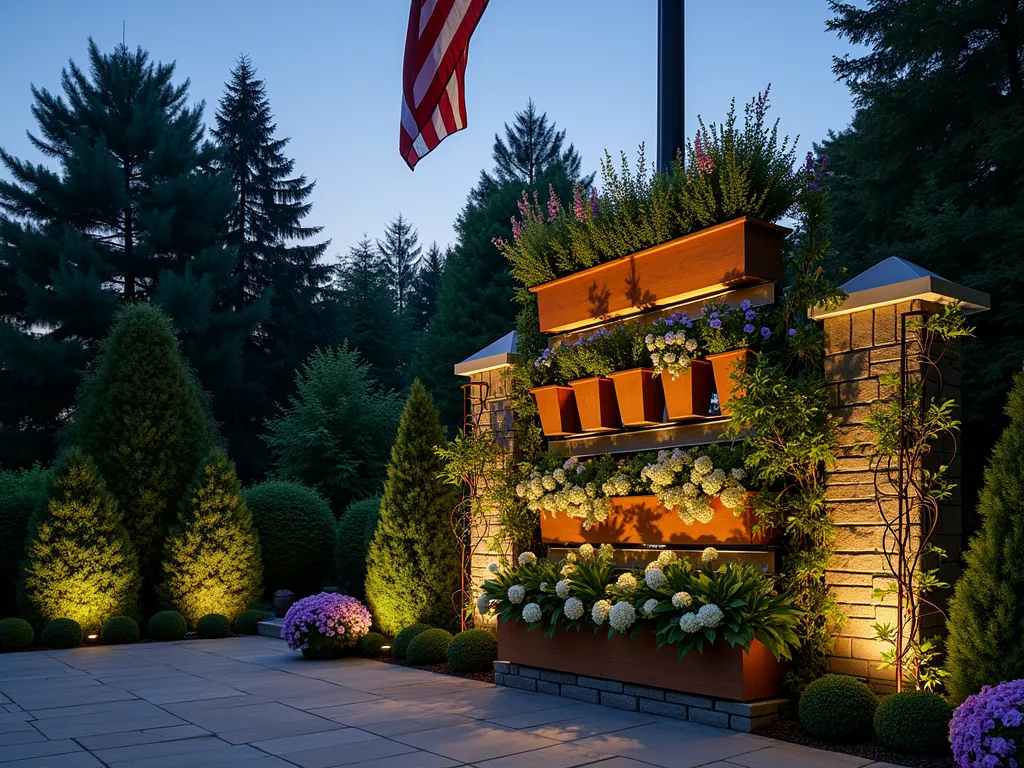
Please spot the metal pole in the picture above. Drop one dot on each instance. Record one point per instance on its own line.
(671, 83)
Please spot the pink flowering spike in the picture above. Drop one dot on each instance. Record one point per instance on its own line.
(524, 207)
(593, 202)
(554, 205)
(516, 230)
(577, 202)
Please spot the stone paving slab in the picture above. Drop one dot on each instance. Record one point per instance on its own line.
(248, 702)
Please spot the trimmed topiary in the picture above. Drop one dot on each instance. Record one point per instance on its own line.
(212, 555)
(120, 629)
(369, 645)
(213, 625)
(355, 532)
(403, 638)
(838, 707)
(247, 622)
(296, 531)
(430, 647)
(914, 721)
(15, 635)
(61, 633)
(474, 650)
(165, 626)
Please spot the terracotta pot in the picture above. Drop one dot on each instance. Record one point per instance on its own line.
(557, 407)
(738, 252)
(595, 401)
(725, 364)
(689, 394)
(642, 520)
(641, 401)
(720, 671)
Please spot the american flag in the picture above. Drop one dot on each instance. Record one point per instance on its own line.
(434, 75)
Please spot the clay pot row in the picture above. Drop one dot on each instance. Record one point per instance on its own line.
(638, 398)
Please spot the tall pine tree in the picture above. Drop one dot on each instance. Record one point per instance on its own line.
(133, 210)
(278, 261)
(423, 299)
(400, 251)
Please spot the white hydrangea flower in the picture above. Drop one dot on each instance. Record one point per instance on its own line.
(521, 490)
(709, 555)
(559, 475)
(703, 465)
(712, 482)
(733, 497)
(571, 557)
(710, 615)
(622, 616)
(570, 463)
(737, 473)
(493, 567)
(689, 622)
(562, 589)
(648, 608)
(599, 613)
(516, 594)
(543, 586)
(549, 483)
(654, 578)
(573, 608)
(666, 556)
(607, 550)
(532, 613)
(626, 582)
(681, 600)
(568, 570)
(483, 604)
(527, 558)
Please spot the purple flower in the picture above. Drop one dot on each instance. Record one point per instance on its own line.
(554, 206)
(791, 332)
(766, 333)
(325, 621)
(713, 315)
(1012, 718)
(748, 328)
(716, 324)
(745, 305)
(986, 728)
(704, 310)
(669, 322)
(750, 315)
(593, 202)
(516, 230)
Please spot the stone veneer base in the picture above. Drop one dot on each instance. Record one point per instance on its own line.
(705, 710)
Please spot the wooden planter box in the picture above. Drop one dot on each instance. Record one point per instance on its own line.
(595, 401)
(642, 520)
(724, 365)
(688, 395)
(721, 671)
(741, 251)
(557, 408)
(640, 397)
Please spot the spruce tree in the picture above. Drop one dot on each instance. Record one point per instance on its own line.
(336, 431)
(79, 561)
(279, 262)
(423, 298)
(986, 614)
(400, 251)
(413, 564)
(140, 417)
(131, 210)
(212, 555)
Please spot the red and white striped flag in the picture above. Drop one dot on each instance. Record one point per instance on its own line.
(434, 75)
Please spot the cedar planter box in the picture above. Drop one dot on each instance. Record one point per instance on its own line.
(640, 398)
(741, 251)
(557, 408)
(688, 395)
(595, 401)
(721, 671)
(642, 520)
(725, 364)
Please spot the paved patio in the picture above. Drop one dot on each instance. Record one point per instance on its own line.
(250, 702)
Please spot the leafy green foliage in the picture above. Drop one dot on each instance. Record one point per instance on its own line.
(119, 629)
(246, 623)
(838, 707)
(413, 563)
(61, 633)
(429, 647)
(16, 510)
(15, 635)
(212, 558)
(370, 645)
(985, 644)
(335, 434)
(403, 638)
(296, 534)
(474, 650)
(355, 532)
(79, 562)
(914, 721)
(213, 625)
(166, 626)
(140, 417)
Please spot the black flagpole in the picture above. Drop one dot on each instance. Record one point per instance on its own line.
(671, 127)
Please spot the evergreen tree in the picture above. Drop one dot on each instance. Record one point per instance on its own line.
(140, 417)
(79, 562)
(400, 252)
(985, 645)
(930, 170)
(423, 298)
(413, 564)
(335, 434)
(212, 555)
(277, 261)
(355, 532)
(134, 212)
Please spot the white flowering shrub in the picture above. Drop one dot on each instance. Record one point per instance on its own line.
(483, 604)
(709, 555)
(573, 608)
(710, 615)
(654, 578)
(599, 613)
(626, 582)
(681, 600)
(647, 609)
(688, 484)
(566, 490)
(527, 558)
(516, 594)
(622, 616)
(689, 623)
(562, 588)
(671, 348)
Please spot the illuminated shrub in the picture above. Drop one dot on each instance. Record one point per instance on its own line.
(61, 633)
(355, 532)
(914, 721)
(370, 646)
(166, 626)
(429, 647)
(403, 638)
(213, 625)
(212, 555)
(838, 707)
(247, 622)
(474, 650)
(15, 635)
(120, 629)
(79, 562)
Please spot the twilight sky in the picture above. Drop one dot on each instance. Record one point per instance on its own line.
(333, 70)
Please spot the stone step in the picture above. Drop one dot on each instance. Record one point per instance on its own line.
(270, 628)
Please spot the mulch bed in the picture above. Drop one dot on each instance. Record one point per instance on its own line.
(443, 669)
(792, 731)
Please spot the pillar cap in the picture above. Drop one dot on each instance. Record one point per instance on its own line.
(897, 280)
(497, 354)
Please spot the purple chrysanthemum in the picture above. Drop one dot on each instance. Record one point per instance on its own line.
(986, 728)
(325, 621)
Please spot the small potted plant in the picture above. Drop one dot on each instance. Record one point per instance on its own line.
(586, 365)
(686, 381)
(640, 399)
(556, 401)
(325, 626)
(731, 335)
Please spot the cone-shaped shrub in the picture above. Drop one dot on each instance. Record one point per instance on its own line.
(139, 414)
(413, 563)
(212, 555)
(355, 532)
(79, 562)
(986, 614)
